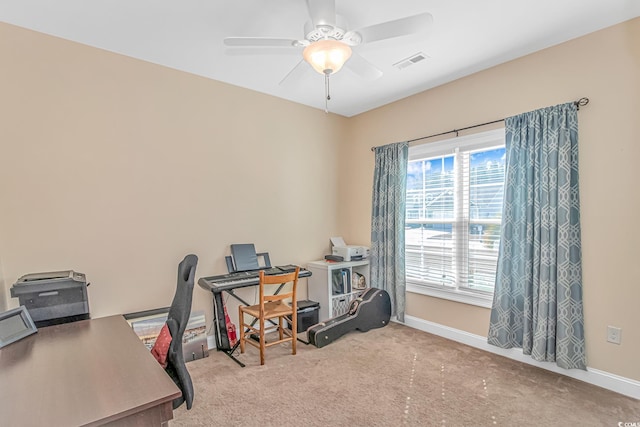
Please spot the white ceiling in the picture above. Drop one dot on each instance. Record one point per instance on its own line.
(466, 36)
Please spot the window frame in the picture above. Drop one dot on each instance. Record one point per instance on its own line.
(479, 141)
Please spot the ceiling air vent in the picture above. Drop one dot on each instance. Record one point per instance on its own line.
(410, 60)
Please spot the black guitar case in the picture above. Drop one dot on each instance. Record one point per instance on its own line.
(371, 310)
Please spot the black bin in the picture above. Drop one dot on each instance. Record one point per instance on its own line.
(307, 314)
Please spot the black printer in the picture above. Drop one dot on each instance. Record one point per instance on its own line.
(54, 297)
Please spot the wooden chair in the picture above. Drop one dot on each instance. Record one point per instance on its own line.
(270, 307)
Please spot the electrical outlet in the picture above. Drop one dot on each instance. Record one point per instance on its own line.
(614, 335)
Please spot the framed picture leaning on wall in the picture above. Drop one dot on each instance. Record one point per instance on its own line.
(147, 325)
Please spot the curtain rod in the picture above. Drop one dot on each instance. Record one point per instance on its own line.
(579, 103)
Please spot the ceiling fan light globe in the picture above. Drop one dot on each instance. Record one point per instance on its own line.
(327, 56)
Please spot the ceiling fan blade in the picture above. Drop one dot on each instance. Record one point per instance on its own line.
(261, 51)
(362, 67)
(260, 41)
(297, 73)
(399, 27)
(322, 12)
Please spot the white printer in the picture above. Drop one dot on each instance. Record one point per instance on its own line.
(348, 252)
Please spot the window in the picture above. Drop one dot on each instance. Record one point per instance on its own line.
(453, 216)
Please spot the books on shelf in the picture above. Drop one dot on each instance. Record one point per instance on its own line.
(341, 281)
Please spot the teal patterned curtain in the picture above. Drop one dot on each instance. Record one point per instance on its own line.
(537, 303)
(387, 223)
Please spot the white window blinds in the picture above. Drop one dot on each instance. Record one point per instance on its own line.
(454, 208)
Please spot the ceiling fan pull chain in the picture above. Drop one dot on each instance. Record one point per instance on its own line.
(327, 97)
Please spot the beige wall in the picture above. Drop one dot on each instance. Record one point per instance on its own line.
(3, 296)
(603, 66)
(117, 168)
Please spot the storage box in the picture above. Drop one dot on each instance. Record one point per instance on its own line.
(307, 314)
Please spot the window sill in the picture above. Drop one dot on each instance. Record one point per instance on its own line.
(470, 298)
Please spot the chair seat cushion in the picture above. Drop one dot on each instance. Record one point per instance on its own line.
(161, 346)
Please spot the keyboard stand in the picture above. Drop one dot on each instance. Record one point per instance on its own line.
(229, 352)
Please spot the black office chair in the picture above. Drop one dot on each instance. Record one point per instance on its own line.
(177, 322)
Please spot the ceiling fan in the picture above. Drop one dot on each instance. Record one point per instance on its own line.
(327, 41)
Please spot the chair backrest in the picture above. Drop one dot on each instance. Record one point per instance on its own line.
(268, 282)
(181, 305)
(177, 320)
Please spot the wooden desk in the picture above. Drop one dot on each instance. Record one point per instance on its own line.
(86, 373)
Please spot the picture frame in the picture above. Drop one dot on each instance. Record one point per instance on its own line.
(15, 324)
(147, 325)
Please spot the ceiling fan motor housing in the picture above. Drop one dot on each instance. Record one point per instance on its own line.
(328, 31)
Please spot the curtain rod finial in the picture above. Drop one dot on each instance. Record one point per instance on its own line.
(581, 102)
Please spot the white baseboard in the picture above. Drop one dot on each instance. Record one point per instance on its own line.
(603, 379)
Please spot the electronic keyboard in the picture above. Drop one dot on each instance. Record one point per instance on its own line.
(241, 279)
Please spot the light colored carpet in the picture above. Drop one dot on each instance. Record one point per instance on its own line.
(393, 376)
